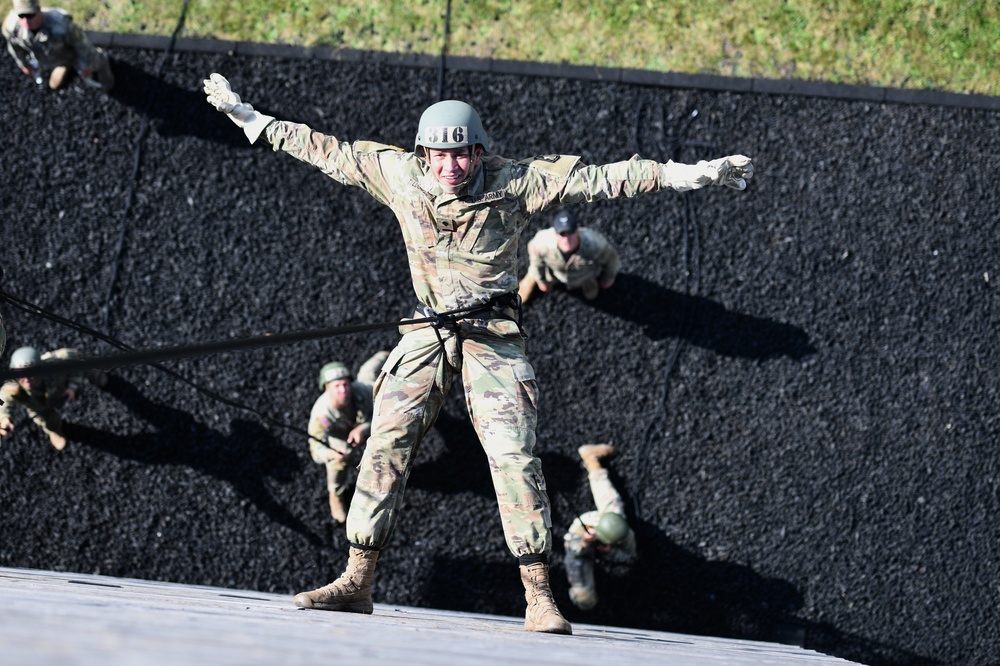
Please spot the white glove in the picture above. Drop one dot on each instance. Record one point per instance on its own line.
(733, 171)
(729, 171)
(222, 97)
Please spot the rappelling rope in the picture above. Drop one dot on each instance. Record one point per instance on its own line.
(137, 158)
(692, 285)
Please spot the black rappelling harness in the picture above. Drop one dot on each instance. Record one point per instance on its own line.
(495, 308)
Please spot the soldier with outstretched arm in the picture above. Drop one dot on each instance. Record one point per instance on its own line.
(461, 211)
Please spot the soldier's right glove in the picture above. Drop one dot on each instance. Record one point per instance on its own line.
(222, 97)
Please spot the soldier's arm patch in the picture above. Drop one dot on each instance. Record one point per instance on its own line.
(374, 147)
(559, 166)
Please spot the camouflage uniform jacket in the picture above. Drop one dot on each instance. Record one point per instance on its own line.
(58, 43)
(462, 248)
(622, 552)
(331, 425)
(595, 258)
(38, 401)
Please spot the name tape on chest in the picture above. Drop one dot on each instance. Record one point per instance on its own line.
(487, 197)
(447, 134)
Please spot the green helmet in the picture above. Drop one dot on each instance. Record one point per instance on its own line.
(611, 528)
(23, 357)
(333, 371)
(450, 124)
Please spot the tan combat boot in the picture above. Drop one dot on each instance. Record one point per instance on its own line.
(593, 453)
(57, 440)
(57, 78)
(352, 592)
(542, 613)
(337, 508)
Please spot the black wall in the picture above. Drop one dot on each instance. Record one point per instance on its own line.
(801, 379)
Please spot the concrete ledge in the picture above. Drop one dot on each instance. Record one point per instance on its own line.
(581, 72)
(87, 620)
(273, 50)
(204, 45)
(819, 89)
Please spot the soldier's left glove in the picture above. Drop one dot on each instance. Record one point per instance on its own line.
(222, 97)
(733, 171)
(730, 171)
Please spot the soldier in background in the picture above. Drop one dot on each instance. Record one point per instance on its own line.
(574, 256)
(41, 396)
(598, 534)
(46, 39)
(461, 212)
(340, 422)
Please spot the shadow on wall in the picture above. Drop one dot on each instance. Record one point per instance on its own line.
(664, 313)
(173, 111)
(463, 467)
(241, 459)
(666, 589)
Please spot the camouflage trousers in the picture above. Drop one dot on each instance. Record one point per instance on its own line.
(606, 497)
(501, 396)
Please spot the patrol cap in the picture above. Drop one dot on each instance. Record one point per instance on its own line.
(611, 528)
(450, 124)
(333, 371)
(564, 223)
(25, 7)
(23, 357)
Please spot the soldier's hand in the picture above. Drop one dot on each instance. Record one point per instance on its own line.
(334, 456)
(222, 97)
(733, 171)
(6, 427)
(358, 435)
(543, 286)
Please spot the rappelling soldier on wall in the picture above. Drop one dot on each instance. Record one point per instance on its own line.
(461, 211)
(601, 534)
(570, 255)
(43, 396)
(340, 422)
(48, 46)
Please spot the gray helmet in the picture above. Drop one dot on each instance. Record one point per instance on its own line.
(333, 371)
(450, 124)
(611, 528)
(23, 357)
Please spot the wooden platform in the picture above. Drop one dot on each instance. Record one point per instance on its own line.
(61, 618)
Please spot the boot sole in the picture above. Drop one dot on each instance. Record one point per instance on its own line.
(363, 607)
(566, 631)
(343, 608)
